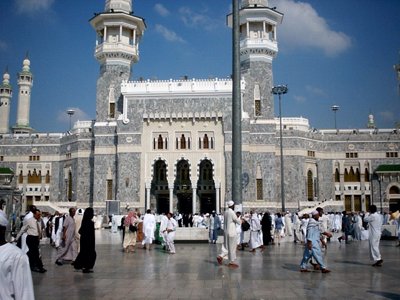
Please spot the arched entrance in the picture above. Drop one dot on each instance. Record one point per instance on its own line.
(394, 198)
(159, 186)
(183, 187)
(206, 187)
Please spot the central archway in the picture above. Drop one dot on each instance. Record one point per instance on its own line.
(206, 187)
(159, 186)
(183, 187)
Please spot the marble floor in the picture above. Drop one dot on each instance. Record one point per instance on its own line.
(193, 273)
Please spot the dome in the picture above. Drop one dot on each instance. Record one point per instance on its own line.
(119, 6)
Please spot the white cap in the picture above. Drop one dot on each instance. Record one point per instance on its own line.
(315, 212)
(3, 219)
(230, 203)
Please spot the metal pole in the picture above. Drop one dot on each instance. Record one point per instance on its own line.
(236, 110)
(380, 192)
(282, 173)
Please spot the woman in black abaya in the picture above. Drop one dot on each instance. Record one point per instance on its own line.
(87, 255)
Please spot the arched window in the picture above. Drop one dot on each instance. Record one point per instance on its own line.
(337, 175)
(48, 177)
(160, 142)
(212, 143)
(21, 177)
(394, 190)
(177, 143)
(310, 186)
(346, 175)
(205, 142)
(366, 176)
(189, 143)
(183, 142)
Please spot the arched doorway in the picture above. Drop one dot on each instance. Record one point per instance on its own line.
(206, 187)
(183, 187)
(394, 198)
(159, 186)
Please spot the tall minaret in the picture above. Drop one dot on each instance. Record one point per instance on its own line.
(5, 99)
(258, 48)
(117, 49)
(25, 82)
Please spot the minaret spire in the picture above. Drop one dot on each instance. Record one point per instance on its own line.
(5, 99)
(25, 83)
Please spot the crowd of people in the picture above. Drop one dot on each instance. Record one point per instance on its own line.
(73, 235)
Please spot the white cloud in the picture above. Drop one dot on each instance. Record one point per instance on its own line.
(387, 116)
(168, 34)
(3, 46)
(315, 91)
(33, 6)
(303, 27)
(79, 115)
(299, 99)
(161, 10)
(194, 19)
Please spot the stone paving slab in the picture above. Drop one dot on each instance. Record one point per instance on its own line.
(193, 273)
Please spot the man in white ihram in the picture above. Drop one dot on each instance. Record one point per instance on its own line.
(149, 226)
(15, 274)
(230, 237)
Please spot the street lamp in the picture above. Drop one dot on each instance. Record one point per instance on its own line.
(280, 90)
(335, 108)
(70, 112)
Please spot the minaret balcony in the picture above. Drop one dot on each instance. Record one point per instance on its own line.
(117, 50)
(259, 43)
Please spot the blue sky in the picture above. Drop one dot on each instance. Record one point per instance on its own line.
(331, 52)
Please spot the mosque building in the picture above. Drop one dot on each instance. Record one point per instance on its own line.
(167, 145)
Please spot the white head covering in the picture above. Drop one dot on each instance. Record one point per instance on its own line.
(315, 212)
(3, 219)
(230, 203)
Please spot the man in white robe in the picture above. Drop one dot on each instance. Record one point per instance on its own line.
(230, 243)
(149, 226)
(66, 251)
(29, 215)
(255, 233)
(15, 274)
(374, 220)
(169, 233)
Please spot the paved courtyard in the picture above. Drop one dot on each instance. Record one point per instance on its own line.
(193, 273)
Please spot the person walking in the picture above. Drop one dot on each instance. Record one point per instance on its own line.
(149, 226)
(278, 227)
(374, 220)
(215, 225)
(169, 233)
(87, 255)
(230, 237)
(66, 251)
(255, 233)
(313, 245)
(15, 276)
(266, 226)
(130, 229)
(34, 231)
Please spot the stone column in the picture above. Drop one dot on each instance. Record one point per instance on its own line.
(147, 204)
(171, 197)
(194, 199)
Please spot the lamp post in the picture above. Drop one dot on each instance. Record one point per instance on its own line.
(335, 108)
(70, 112)
(280, 90)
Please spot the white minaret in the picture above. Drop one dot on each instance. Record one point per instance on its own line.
(258, 48)
(5, 100)
(117, 49)
(25, 82)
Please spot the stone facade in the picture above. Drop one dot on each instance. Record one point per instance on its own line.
(167, 145)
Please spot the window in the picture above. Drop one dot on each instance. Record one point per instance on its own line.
(1, 158)
(112, 110)
(183, 142)
(351, 155)
(21, 177)
(259, 187)
(310, 186)
(68, 156)
(392, 154)
(160, 142)
(34, 158)
(47, 179)
(337, 175)
(109, 189)
(257, 108)
(205, 142)
(311, 153)
(34, 177)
